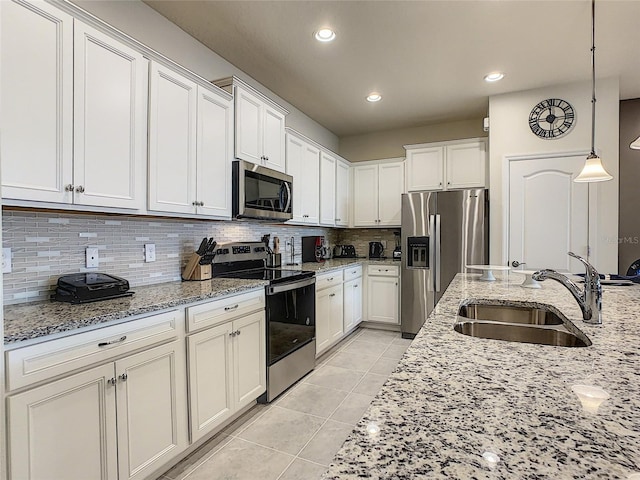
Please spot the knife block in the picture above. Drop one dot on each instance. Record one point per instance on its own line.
(194, 271)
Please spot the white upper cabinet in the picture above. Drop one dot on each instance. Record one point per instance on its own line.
(259, 125)
(110, 112)
(342, 194)
(327, 189)
(377, 194)
(446, 165)
(303, 164)
(86, 145)
(189, 146)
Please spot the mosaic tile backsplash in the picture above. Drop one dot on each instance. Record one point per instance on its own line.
(46, 245)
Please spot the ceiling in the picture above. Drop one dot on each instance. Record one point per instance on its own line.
(426, 58)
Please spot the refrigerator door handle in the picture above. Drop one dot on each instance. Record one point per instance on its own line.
(432, 246)
(437, 251)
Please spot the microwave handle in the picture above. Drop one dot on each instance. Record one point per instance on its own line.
(288, 189)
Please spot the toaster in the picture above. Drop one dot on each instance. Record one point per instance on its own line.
(344, 251)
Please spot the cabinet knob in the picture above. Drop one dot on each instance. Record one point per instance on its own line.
(202, 204)
(448, 183)
(440, 184)
(332, 295)
(194, 203)
(123, 377)
(111, 381)
(226, 309)
(80, 189)
(238, 332)
(69, 188)
(338, 219)
(232, 334)
(355, 286)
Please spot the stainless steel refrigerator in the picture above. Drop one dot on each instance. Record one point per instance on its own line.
(442, 232)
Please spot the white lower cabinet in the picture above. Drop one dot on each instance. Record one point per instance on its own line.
(383, 284)
(122, 420)
(352, 304)
(329, 310)
(227, 370)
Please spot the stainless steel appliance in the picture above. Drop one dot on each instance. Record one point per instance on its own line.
(376, 250)
(441, 233)
(260, 192)
(313, 249)
(290, 312)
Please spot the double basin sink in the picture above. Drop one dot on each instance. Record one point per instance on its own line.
(518, 322)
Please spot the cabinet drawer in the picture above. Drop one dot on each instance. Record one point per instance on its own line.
(223, 310)
(49, 359)
(383, 270)
(329, 279)
(352, 272)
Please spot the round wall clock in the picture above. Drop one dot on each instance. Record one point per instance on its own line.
(551, 118)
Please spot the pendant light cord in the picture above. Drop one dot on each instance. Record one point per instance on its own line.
(593, 76)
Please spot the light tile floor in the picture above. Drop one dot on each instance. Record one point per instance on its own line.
(296, 436)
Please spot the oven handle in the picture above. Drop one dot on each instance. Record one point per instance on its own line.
(285, 287)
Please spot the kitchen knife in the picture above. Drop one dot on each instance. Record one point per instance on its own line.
(210, 253)
(203, 246)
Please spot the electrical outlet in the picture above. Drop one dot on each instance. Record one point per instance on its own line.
(149, 252)
(93, 260)
(6, 260)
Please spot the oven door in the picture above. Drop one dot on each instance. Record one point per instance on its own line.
(291, 317)
(260, 192)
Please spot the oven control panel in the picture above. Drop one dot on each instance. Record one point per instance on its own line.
(240, 251)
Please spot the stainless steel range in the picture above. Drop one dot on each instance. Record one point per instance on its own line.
(290, 312)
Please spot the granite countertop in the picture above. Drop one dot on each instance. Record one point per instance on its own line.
(454, 397)
(338, 263)
(32, 320)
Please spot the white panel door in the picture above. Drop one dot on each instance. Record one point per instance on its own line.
(310, 184)
(425, 169)
(65, 429)
(110, 112)
(172, 141)
(336, 313)
(547, 213)
(327, 189)
(37, 102)
(382, 299)
(342, 194)
(323, 314)
(249, 358)
(151, 403)
(295, 153)
(390, 188)
(214, 154)
(210, 379)
(248, 127)
(365, 196)
(352, 302)
(273, 138)
(465, 165)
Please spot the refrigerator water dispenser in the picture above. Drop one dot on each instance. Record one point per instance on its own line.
(418, 252)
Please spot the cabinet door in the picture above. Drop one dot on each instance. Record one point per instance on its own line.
(390, 190)
(342, 194)
(248, 126)
(295, 148)
(323, 314)
(425, 169)
(310, 184)
(65, 429)
(214, 154)
(273, 139)
(172, 142)
(352, 304)
(365, 196)
(382, 299)
(210, 379)
(110, 113)
(37, 101)
(151, 403)
(327, 189)
(336, 314)
(249, 358)
(466, 165)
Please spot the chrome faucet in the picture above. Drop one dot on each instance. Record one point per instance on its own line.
(590, 299)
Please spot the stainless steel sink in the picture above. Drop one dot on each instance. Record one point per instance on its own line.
(515, 312)
(518, 322)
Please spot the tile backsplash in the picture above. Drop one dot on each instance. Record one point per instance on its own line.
(45, 245)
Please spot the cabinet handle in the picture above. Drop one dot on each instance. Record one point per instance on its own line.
(80, 189)
(111, 381)
(355, 286)
(69, 188)
(226, 309)
(332, 295)
(118, 340)
(338, 219)
(123, 377)
(330, 279)
(232, 334)
(238, 332)
(194, 203)
(396, 284)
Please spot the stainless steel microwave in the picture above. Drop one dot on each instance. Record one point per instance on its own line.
(260, 192)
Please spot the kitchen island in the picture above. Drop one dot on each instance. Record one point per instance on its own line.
(454, 398)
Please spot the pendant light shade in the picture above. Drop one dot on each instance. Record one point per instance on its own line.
(593, 171)
(635, 144)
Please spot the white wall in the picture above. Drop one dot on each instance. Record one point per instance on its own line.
(149, 27)
(509, 135)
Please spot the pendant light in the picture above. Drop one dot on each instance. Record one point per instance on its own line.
(593, 170)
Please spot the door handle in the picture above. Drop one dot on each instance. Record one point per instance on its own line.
(112, 342)
(516, 264)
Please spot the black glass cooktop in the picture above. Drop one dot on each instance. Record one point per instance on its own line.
(273, 275)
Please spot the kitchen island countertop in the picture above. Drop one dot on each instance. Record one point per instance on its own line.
(454, 397)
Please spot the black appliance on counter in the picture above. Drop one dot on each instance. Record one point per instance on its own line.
(90, 287)
(313, 249)
(344, 251)
(376, 249)
(290, 312)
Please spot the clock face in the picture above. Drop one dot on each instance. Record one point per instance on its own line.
(551, 118)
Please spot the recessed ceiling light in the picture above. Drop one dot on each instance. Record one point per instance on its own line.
(493, 76)
(325, 35)
(374, 97)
